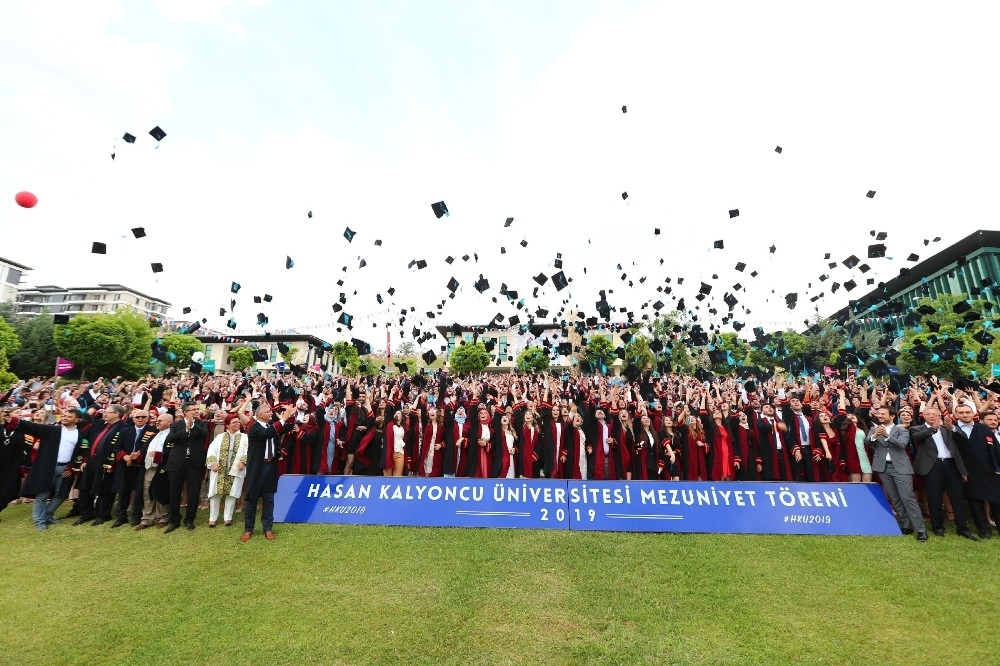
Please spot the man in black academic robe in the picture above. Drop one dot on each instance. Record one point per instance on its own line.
(185, 465)
(261, 481)
(98, 466)
(15, 453)
(978, 445)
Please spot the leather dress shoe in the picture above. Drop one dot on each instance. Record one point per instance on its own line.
(189, 526)
(938, 531)
(134, 523)
(921, 536)
(170, 528)
(81, 521)
(908, 531)
(269, 535)
(966, 534)
(985, 534)
(99, 521)
(246, 536)
(118, 523)
(140, 527)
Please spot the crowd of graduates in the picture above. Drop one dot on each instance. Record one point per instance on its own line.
(515, 425)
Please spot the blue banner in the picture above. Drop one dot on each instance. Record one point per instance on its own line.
(617, 506)
(731, 508)
(418, 502)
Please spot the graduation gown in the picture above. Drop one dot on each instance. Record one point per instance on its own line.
(15, 453)
(646, 463)
(44, 468)
(982, 460)
(530, 460)
(616, 457)
(551, 442)
(574, 452)
(433, 436)
(744, 453)
(98, 477)
(775, 465)
(477, 458)
(505, 459)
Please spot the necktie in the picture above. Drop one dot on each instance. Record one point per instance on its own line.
(803, 433)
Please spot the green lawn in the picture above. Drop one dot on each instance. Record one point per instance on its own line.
(355, 595)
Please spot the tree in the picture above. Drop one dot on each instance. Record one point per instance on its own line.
(469, 358)
(926, 353)
(680, 359)
(598, 351)
(533, 359)
(7, 378)
(241, 358)
(637, 351)
(346, 356)
(368, 367)
(732, 348)
(9, 344)
(37, 355)
(289, 356)
(108, 344)
(182, 346)
(405, 348)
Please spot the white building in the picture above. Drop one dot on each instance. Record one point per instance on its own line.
(11, 274)
(77, 300)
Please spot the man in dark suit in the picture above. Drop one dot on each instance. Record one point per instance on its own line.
(186, 464)
(895, 471)
(978, 444)
(128, 473)
(261, 482)
(98, 467)
(939, 461)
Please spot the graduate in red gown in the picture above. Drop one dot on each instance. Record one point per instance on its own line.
(576, 451)
(530, 439)
(432, 444)
(646, 462)
(697, 446)
(621, 435)
(826, 450)
(477, 456)
(609, 462)
(721, 443)
(505, 453)
(773, 454)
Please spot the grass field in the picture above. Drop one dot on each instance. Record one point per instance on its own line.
(354, 595)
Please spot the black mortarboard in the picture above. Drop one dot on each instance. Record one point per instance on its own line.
(705, 289)
(777, 149)
(509, 222)
(983, 337)
(421, 264)
(429, 357)
(363, 347)
(734, 213)
(261, 319)
(260, 355)
(309, 215)
(624, 109)
(345, 319)
(128, 138)
(875, 251)
(740, 266)
(195, 368)
(222, 312)
(656, 231)
(235, 288)
(482, 284)
(60, 319)
(231, 323)
(157, 133)
(913, 257)
(157, 267)
(348, 234)
(524, 243)
(960, 307)
(871, 194)
(881, 236)
(98, 248)
(559, 280)
(452, 285)
(440, 209)
(186, 311)
(851, 261)
(465, 257)
(288, 262)
(449, 260)
(362, 263)
(850, 285)
(283, 348)
(514, 320)
(624, 196)
(719, 245)
(773, 249)
(791, 300)
(139, 232)
(257, 299)
(558, 264)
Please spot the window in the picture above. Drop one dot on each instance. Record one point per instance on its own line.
(14, 276)
(118, 297)
(274, 353)
(503, 346)
(208, 351)
(451, 343)
(467, 337)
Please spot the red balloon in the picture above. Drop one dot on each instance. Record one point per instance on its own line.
(25, 199)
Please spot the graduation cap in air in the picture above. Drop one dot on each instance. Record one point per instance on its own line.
(231, 323)
(421, 264)
(98, 248)
(452, 285)
(261, 319)
(186, 311)
(734, 213)
(624, 109)
(559, 280)
(777, 149)
(348, 234)
(875, 251)
(482, 284)
(983, 337)
(465, 257)
(913, 257)
(624, 196)
(773, 249)
(157, 133)
(881, 236)
(60, 319)
(705, 288)
(449, 260)
(983, 355)
(509, 222)
(791, 300)
(740, 266)
(429, 357)
(871, 194)
(363, 347)
(851, 261)
(260, 355)
(159, 350)
(719, 245)
(309, 215)
(128, 138)
(541, 313)
(157, 267)
(139, 232)
(960, 307)
(345, 319)
(288, 262)
(440, 209)
(195, 368)
(257, 299)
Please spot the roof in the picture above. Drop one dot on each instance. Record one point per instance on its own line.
(946, 258)
(15, 264)
(284, 337)
(101, 287)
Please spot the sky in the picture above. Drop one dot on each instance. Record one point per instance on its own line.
(367, 113)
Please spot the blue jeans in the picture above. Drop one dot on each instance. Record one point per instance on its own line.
(47, 502)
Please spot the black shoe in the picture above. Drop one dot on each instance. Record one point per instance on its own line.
(135, 523)
(73, 513)
(985, 534)
(118, 523)
(189, 526)
(907, 531)
(170, 528)
(939, 531)
(81, 520)
(921, 536)
(966, 534)
(99, 521)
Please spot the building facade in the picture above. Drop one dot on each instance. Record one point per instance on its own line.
(966, 267)
(87, 300)
(309, 351)
(11, 276)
